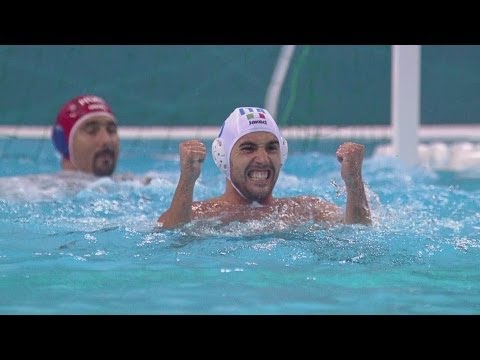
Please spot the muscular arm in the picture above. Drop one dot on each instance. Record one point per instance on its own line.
(357, 211)
(192, 155)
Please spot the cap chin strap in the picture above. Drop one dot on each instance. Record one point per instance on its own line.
(238, 191)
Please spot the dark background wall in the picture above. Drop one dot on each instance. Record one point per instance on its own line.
(165, 85)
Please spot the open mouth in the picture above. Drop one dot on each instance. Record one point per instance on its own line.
(259, 175)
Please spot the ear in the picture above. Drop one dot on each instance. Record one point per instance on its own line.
(59, 140)
(219, 155)
(283, 150)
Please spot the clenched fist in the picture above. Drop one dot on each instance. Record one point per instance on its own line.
(350, 155)
(192, 155)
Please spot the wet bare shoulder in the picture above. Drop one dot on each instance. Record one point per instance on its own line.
(210, 208)
(310, 207)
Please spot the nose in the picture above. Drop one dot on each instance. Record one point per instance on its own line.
(104, 136)
(261, 156)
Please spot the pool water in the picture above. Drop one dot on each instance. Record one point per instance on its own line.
(72, 244)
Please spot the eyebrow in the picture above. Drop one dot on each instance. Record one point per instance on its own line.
(249, 143)
(98, 121)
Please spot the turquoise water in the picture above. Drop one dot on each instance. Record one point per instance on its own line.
(81, 245)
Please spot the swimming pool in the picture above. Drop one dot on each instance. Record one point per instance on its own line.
(90, 246)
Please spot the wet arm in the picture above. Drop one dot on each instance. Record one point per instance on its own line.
(180, 210)
(192, 155)
(357, 211)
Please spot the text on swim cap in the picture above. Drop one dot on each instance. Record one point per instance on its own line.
(89, 100)
(97, 107)
(252, 122)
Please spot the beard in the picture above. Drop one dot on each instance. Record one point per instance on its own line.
(104, 162)
(252, 193)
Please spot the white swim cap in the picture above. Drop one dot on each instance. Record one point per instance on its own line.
(242, 121)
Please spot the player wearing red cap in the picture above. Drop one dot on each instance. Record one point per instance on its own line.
(85, 134)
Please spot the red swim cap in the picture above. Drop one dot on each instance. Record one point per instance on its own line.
(72, 114)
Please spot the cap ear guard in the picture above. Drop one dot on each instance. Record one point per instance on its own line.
(60, 141)
(219, 155)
